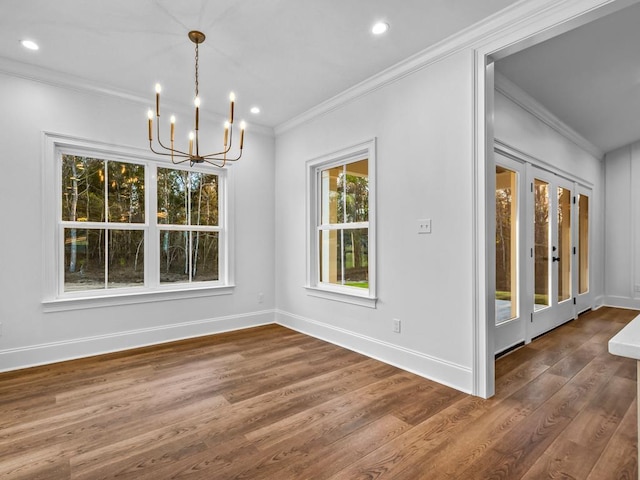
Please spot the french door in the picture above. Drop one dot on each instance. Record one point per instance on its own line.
(511, 305)
(551, 251)
(542, 251)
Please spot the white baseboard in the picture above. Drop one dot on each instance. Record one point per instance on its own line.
(441, 371)
(598, 302)
(34, 355)
(447, 373)
(622, 302)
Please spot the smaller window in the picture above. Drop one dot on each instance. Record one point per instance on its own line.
(341, 255)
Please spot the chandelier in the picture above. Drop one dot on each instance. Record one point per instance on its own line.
(193, 155)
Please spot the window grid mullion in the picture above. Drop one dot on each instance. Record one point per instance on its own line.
(106, 222)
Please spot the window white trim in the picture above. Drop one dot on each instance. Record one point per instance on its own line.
(313, 285)
(54, 299)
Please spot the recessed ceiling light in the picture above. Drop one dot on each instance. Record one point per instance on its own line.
(255, 110)
(379, 28)
(30, 44)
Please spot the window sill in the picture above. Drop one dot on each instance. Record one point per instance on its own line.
(353, 298)
(131, 298)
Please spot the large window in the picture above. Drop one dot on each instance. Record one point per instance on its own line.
(341, 213)
(129, 225)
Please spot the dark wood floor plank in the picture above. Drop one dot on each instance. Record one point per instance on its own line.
(619, 461)
(576, 450)
(423, 440)
(455, 457)
(268, 402)
(518, 450)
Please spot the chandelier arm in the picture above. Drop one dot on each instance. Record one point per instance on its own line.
(219, 165)
(158, 137)
(175, 151)
(225, 151)
(181, 161)
(180, 154)
(211, 157)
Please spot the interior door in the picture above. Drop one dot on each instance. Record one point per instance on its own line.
(551, 249)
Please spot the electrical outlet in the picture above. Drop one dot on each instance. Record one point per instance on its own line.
(396, 325)
(260, 297)
(424, 226)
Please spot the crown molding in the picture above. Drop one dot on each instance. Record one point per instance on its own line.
(59, 79)
(460, 41)
(525, 101)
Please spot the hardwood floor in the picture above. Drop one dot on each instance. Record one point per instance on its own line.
(269, 403)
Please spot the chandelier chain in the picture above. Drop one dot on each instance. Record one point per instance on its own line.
(197, 70)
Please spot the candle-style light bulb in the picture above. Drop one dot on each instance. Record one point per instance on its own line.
(150, 115)
(196, 102)
(226, 133)
(243, 125)
(232, 99)
(191, 143)
(173, 128)
(158, 90)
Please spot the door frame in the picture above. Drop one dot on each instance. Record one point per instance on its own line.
(520, 27)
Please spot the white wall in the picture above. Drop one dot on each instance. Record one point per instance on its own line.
(622, 220)
(30, 336)
(423, 125)
(519, 129)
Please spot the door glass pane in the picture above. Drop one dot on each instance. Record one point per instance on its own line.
(541, 244)
(563, 253)
(583, 244)
(506, 244)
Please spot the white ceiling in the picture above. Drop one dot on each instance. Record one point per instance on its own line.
(588, 77)
(284, 56)
(287, 56)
